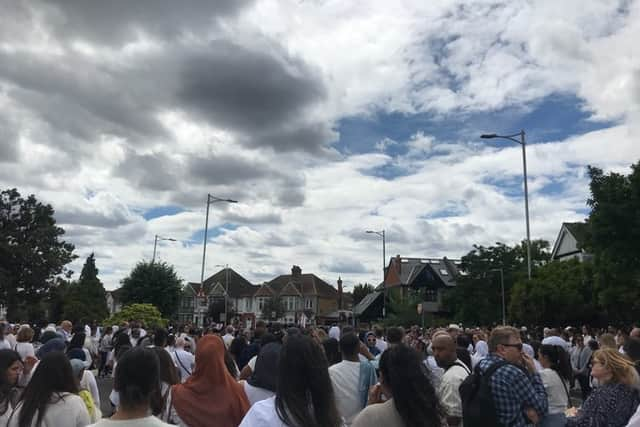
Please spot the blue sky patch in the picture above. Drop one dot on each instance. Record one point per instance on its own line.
(214, 232)
(160, 211)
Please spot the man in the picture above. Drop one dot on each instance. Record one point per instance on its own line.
(184, 360)
(517, 390)
(228, 337)
(554, 338)
(580, 357)
(351, 379)
(444, 351)
(65, 329)
(371, 344)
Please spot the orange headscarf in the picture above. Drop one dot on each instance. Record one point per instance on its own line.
(211, 394)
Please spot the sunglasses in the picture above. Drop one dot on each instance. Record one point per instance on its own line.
(518, 346)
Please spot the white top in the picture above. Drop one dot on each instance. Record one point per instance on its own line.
(252, 363)
(256, 394)
(150, 421)
(345, 377)
(448, 389)
(556, 393)
(5, 344)
(381, 345)
(68, 410)
(556, 340)
(185, 362)
(25, 349)
(227, 339)
(263, 414)
(88, 382)
(634, 421)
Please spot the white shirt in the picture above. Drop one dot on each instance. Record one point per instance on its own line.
(227, 339)
(68, 410)
(634, 421)
(556, 393)
(88, 382)
(25, 349)
(256, 394)
(150, 421)
(345, 377)
(448, 389)
(556, 340)
(5, 344)
(381, 345)
(185, 362)
(263, 414)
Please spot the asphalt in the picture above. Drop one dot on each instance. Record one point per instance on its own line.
(104, 387)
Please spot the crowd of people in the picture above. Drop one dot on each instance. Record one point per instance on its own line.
(279, 376)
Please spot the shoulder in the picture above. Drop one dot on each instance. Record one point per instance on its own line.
(262, 413)
(378, 414)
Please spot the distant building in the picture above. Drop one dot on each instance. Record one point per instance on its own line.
(570, 242)
(114, 302)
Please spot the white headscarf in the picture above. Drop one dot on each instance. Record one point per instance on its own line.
(334, 332)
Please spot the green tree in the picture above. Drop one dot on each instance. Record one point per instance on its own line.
(403, 310)
(146, 313)
(86, 299)
(32, 254)
(273, 308)
(360, 291)
(153, 282)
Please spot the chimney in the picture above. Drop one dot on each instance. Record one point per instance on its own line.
(339, 293)
(296, 271)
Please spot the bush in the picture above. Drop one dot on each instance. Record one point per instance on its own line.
(146, 313)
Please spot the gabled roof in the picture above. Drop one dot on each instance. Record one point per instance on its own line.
(578, 230)
(307, 284)
(264, 291)
(419, 272)
(366, 302)
(238, 285)
(290, 290)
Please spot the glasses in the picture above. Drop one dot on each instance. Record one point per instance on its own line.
(518, 346)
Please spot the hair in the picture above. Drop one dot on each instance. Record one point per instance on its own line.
(108, 330)
(349, 345)
(414, 397)
(593, 345)
(53, 376)
(77, 341)
(559, 358)
(137, 378)
(237, 346)
(168, 374)
(501, 335)
(25, 334)
(121, 344)
(378, 331)
(304, 396)
(607, 341)
(230, 364)
(632, 349)
(2, 328)
(621, 367)
(268, 338)
(7, 359)
(395, 335)
(332, 351)
(160, 337)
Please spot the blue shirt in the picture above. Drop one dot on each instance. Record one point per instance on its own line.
(515, 390)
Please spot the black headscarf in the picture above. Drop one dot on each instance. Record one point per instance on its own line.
(265, 375)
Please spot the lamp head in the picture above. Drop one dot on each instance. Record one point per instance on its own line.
(488, 135)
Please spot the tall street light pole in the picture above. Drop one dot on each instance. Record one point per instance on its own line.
(522, 143)
(155, 245)
(384, 264)
(504, 309)
(210, 199)
(226, 290)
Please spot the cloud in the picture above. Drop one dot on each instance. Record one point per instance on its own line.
(344, 266)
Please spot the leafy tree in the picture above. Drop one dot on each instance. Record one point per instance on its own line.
(32, 254)
(146, 313)
(360, 291)
(153, 282)
(271, 306)
(56, 299)
(86, 300)
(403, 310)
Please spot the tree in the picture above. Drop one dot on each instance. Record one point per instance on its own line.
(86, 299)
(273, 308)
(360, 291)
(146, 313)
(403, 310)
(153, 282)
(32, 254)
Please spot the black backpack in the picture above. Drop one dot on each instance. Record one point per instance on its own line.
(478, 408)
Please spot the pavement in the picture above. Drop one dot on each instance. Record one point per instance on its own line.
(105, 385)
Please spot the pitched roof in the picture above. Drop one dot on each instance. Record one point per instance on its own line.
(366, 302)
(578, 230)
(307, 284)
(417, 272)
(238, 285)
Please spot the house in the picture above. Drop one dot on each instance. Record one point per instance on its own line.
(570, 242)
(114, 302)
(432, 277)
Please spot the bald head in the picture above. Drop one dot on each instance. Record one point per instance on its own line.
(444, 349)
(635, 333)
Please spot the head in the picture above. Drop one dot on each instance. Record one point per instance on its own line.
(607, 341)
(25, 334)
(66, 325)
(454, 330)
(635, 333)
(267, 365)
(137, 379)
(414, 397)
(378, 331)
(610, 366)
(77, 367)
(505, 341)
(444, 350)
(77, 341)
(229, 330)
(350, 346)
(303, 384)
(332, 351)
(10, 370)
(556, 358)
(53, 375)
(371, 340)
(237, 345)
(395, 335)
(578, 340)
(632, 349)
(160, 337)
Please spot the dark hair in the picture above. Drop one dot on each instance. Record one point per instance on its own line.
(77, 341)
(332, 351)
(7, 359)
(236, 347)
(632, 348)
(54, 375)
(304, 396)
(160, 337)
(395, 335)
(168, 374)
(348, 329)
(349, 345)
(121, 343)
(414, 396)
(137, 378)
(268, 338)
(593, 345)
(559, 358)
(230, 364)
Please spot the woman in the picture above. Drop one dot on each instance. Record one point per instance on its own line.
(93, 408)
(304, 396)
(50, 398)
(236, 349)
(23, 344)
(161, 402)
(556, 375)
(4, 342)
(262, 383)
(615, 400)
(481, 351)
(210, 393)
(104, 348)
(76, 350)
(136, 381)
(412, 398)
(10, 370)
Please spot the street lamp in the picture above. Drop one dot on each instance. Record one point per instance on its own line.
(210, 199)
(504, 310)
(226, 290)
(155, 245)
(384, 260)
(522, 142)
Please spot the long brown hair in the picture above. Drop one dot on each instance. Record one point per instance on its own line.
(621, 367)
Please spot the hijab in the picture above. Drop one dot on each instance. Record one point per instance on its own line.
(210, 393)
(266, 373)
(55, 344)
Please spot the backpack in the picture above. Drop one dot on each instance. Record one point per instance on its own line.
(478, 408)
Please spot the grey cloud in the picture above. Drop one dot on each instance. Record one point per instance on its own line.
(346, 266)
(8, 141)
(261, 218)
(225, 169)
(152, 171)
(93, 219)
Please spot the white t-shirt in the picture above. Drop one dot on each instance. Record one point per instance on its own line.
(448, 389)
(150, 421)
(256, 394)
(185, 362)
(25, 349)
(5, 344)
(381, 345)
(67, 410)
(556, 392)
(345, 377)
(227, 339)
(263, 414)
(88, 382)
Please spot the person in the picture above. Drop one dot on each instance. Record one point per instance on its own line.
(351, 379)
(515, 391)
(632, 350)
(412, 399)
(210, 393)
(10, 370)
(262, 383)
(50, 398)
(183, 359)
(65, 330)
(161, 402)
(555, 338)
(481, 351)
(380, 342)
(236, 349)
(455, 371)
(76, 349)
(371, 344)
(77, 367)
(136, 380)
(607, 341)
(556, 375)
(228, 337)
(4, 341)
(104, 349)
(332, 351)
(615, 399)
(304, 395)
(580, 358)
(23, 345)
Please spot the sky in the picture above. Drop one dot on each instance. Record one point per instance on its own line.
(323, 119)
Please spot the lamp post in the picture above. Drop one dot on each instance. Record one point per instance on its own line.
(226, 290)
(384, 258)
(504, 309)
(522, 143)
(155, 245)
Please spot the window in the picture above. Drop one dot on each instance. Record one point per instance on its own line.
(431, 295)
(261, 303)
(444, 272)
(203, 301)
(187, 302)
(290, 303)
(247, 304)
(308, 304)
